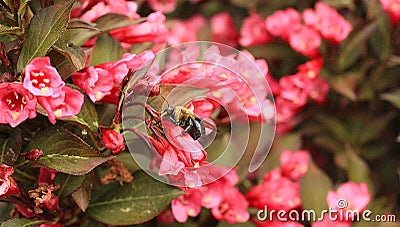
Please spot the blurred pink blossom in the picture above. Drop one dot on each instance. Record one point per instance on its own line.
(253, 31)
(223, 29)
(165, 6)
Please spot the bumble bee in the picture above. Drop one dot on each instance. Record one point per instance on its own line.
(186, 119)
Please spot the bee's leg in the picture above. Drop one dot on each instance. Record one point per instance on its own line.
(187, 128)
(172, 119)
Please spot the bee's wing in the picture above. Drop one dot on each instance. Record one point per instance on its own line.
(210, 131)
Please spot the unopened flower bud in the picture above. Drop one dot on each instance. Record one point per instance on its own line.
(113, 140)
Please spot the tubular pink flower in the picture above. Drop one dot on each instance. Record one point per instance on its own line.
(282, 22)
(294, 165)
(186, 31)
(223, 29)
(354, 197)
(253, 31)
(7, 185)
(187, 205)
(42, 79)
(16, 104)
(68, 104)
(165, 6)
(152, 30)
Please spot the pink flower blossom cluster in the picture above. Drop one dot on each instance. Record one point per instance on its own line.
(303, 31)
(295, 90)
(102, 82)
(42, 85)
(152, 30)
(222, 197)
(280, 190)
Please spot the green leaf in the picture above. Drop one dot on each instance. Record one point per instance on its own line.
(62, 63)
(128, 161)
(79, 31)
(346, 85)
(351, 49)
(68, 183)
(75, 54)
(375, 127)
(21, 10)
(340, 3)
(132, 204)
(106, 49)
(45, 29)
(380, 41)
(4, 29)
(5, 209)
(111, 21)
(87, 116)
(10, 145)
(358, 170)
(82, 195)
(22, 222)
(335, 126)
(393, 97)
(314, 188)
(66, 152)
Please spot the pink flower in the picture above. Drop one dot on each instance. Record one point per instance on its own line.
(119, 69)
(327, 222)
(113, 140)
(46, 175)
(16, 104)
(328, 22)
(127, 8)
(294, 165)
(349, 196)
(68, 104)
(305, 40)
(277, 192)
(282, 22)
(165, 6)
(232, 208)
(96, 82)
(186, 31)
(285, 113)
(152, 30)
(178, 152)
(42, 79)
(253, 31)
(7, 185)
(203, 107)
(311, 68)
(223, 29)
(213, 193)
(187, 205)
(25, 211)
(392, 7)
(166, 217)
(48, 224)
(292, 90)
(318, 90)
(102, 82)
